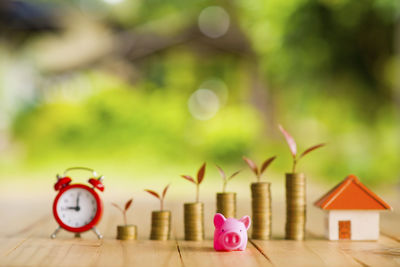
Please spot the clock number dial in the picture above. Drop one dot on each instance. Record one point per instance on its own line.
(76, 207)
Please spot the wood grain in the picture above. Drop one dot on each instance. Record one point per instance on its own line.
(24, 241)
(203, 254)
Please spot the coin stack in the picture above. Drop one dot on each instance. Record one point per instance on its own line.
(126, 232)
(226, 204)
(261, 210)
(160, 225)
(194, 221)
(295, 206)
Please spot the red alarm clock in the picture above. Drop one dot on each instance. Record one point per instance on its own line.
(78, 208)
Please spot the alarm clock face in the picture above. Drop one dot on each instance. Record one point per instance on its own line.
(76, 207)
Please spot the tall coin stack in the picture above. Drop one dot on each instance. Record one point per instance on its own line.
(226, 204)
(261, 210)
(194, 221)
(160, 225)
(295, 206)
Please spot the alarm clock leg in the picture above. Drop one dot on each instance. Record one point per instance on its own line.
(99, 236)
(53, 235)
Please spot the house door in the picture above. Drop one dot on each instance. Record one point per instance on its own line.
(344, 229)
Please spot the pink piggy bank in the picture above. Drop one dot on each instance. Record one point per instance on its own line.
(230, 234)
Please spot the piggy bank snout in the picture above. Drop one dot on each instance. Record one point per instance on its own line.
(232, 239)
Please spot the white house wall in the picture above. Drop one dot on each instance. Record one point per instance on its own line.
(364, 224)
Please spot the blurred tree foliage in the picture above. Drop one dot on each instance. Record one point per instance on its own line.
(328, 68)
(127, 121)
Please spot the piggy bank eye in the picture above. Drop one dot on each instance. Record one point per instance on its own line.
(223, 230)
(240, 230)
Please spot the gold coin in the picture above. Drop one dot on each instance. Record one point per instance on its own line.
(261, 211)
(126, 232)
(194, 221)
(160, 225)
(295, 206)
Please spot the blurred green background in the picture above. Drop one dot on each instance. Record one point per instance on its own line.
(156, 87)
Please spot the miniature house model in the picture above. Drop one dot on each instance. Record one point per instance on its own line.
(352, 211)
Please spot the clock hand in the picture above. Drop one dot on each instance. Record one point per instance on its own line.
(77, 200)
(70, 208)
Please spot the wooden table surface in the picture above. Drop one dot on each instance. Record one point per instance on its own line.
(25, 228)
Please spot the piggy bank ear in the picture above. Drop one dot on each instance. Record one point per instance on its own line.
(246, 221)
(219, 220)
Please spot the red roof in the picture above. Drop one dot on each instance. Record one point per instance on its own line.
(351, 194)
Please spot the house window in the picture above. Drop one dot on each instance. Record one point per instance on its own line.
(344, 229)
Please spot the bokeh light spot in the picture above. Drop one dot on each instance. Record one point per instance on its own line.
(214, 21)
(203, 104)
(113, 2)
(219, 87)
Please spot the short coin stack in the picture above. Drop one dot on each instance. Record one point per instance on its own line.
(295, 206)
(160, 225)
(126, 232)
(261, 210)
(226, 204)
(194, 221)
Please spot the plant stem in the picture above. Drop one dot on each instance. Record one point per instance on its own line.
(294, 165)
(197, 192)
(224, 187)
(125, 218)
(161, 203)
